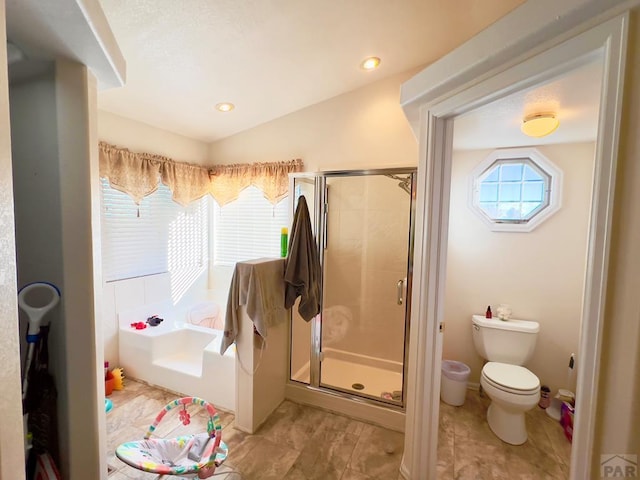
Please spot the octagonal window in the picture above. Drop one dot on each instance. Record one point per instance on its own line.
(515, 189)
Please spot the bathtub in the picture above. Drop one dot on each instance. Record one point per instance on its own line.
(177, 355)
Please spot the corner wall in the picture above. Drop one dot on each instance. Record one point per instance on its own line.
(51, 145)
(131, 293)
(140, 137)
(364, 128)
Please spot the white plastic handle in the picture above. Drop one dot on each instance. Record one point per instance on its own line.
(36, 313)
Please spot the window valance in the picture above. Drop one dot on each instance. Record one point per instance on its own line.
(138, 175)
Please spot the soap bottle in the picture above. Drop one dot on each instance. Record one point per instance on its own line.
(489, 314)
(284, 241)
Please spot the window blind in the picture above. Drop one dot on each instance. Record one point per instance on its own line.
(248, 228)
(156, 236)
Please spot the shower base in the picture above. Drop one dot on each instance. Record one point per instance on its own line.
(343, 370)
(340, 371)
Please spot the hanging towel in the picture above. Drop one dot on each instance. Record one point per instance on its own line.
(302, 272)
(258, 285)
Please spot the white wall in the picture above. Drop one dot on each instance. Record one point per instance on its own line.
(539, 273)
(11, 434)
(51, 146)
(364, 128)
(75, 118)
(140, 137)
(618, 414)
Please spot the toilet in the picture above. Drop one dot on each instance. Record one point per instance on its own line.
(513, 390)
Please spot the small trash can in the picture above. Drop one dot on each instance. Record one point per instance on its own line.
(453, 383)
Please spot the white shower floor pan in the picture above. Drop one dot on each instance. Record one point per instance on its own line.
(342, 370)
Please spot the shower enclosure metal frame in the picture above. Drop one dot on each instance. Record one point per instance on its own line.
(320, 227)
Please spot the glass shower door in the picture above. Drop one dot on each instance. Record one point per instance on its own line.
(366, 267)
(304, 351)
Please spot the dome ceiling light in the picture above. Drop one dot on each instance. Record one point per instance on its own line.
(539, 124)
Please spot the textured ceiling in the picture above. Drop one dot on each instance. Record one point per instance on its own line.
(271, 57)
(574, 97)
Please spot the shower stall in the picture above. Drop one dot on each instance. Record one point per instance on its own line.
(356, 348)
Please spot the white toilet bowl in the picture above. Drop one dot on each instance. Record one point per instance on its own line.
(513, 390)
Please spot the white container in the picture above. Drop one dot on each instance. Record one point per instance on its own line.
(453, 382)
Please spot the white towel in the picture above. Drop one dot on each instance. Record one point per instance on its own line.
(204, 314)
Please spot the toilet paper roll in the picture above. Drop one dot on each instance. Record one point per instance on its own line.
(554, 408)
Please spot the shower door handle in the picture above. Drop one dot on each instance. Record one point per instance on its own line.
(400, 291)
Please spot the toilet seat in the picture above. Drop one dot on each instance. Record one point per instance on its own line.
(511, 378)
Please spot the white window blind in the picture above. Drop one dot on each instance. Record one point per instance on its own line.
(248, 228)
(156, 236)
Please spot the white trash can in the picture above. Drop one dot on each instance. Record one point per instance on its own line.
(453, 383)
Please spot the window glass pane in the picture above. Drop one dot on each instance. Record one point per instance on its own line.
(511, 172)
(533, 192)
(493, 176)
(157, 236)
(528, 208)
(491, 209)
(510, 192)
(248, 228)
(531, 174)
(509, 211)
(488, 192)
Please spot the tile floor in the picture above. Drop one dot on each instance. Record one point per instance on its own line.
(295, 443)
(468, 449)
(303, 443)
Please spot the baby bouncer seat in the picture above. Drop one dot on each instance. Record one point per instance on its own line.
(188, 455)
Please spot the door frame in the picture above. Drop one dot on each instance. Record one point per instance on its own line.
(438, 106)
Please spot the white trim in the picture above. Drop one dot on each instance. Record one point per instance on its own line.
(543, 163)
(463, 92)
(599, 247)
(531, 28)
(75, 29)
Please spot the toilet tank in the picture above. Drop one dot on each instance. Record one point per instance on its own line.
(511, 341)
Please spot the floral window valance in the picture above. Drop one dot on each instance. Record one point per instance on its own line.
(138, 175)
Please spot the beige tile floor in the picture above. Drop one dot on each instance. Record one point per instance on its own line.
(295, 443)
(303, 443)
(467, 449)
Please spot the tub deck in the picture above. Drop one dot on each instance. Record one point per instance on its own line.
(178, 356)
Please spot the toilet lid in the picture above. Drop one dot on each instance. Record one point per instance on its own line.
(511, 376)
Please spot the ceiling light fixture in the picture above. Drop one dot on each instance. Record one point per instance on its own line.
(539, 124)
(370, 63)
(225, 107)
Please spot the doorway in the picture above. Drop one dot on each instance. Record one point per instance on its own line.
(438, 112)
(518, 235)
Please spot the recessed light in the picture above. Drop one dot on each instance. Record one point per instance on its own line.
(225, 107)
(370, 63)
(539, 124)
